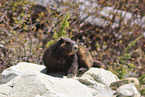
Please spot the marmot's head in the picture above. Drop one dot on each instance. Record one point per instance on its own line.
(67, 46)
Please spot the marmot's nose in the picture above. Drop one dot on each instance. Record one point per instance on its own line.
(75, 47)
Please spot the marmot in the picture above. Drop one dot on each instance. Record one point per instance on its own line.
(66, 56)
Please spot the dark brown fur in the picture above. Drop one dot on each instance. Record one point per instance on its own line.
(65, 55)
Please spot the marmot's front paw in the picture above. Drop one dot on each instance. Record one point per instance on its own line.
(70, 75)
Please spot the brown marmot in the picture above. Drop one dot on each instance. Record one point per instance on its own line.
(66, 56)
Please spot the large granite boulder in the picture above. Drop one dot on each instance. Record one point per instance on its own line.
(29, 80)
(21, 67)
(31, 84)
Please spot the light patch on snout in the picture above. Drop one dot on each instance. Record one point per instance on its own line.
(74, 48)
(62, 45)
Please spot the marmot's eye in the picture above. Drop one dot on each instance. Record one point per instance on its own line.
(61, 40)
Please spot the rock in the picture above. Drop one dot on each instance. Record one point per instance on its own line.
(35, 84)
(21, 67)
(29, 80)
(117, 84)
(137, 95)
(102, 96)
(127, 90)
(98, 75)
(132, 80)
(99, 79)
(1, 95)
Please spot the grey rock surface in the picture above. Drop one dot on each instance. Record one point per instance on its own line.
(127, 90)
(30, 84)
(29, 81)
(21, 67)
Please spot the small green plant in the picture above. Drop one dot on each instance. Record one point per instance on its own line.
(132, 44)
(64, 24)
(62, 32)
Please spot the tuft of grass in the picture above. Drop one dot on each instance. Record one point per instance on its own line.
(63, 26)
(132, 44)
